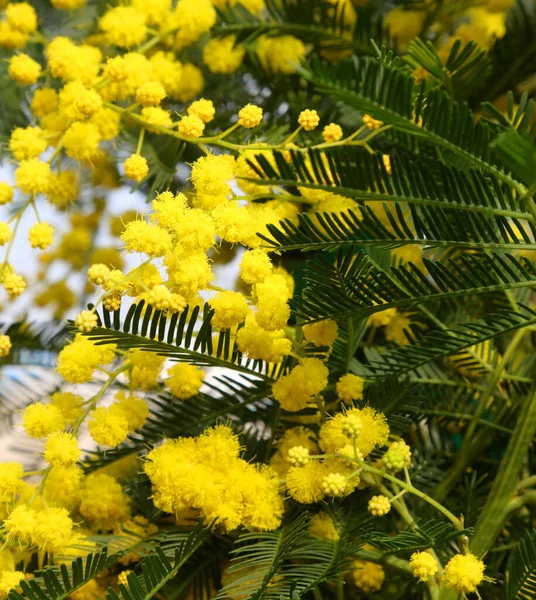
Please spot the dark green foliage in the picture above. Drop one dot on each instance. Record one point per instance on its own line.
(521, 570)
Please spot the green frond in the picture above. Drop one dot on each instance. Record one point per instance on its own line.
(518, 152)
(521, 570)
(390, 96)
(465, 69)
(160, 567)
(419, 537)
(353, 285)
(187, 337)
(354, 173)
(57, 583)
(519, 112)
(276, 564)
(436, 344)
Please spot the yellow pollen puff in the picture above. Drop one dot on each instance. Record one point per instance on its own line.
(191, 126)
(33, 176)
(81, 141)
(350, 387)
(332, 133)
(23, 69)
(40, 420)
(309, 119)
(5, 347)
(162, 299)
(423, 565)
(10, 480)
(150, 93)
(352, 425)
(41, 235)
(89, 103)
(136, 167)
(397, 456)
(463, 573)
(202, 108)
(14, 284)
(223, 55)
(379, 506)
(184, 380)
(124, 26)
(367, 576)
(155, 115)
(255, 266)
(295, 390)
(61, 449)
(139, 236)
(230, 309)
(86, 321)
(108, 426)
(21, 16)
(6, 193)
(27, 142)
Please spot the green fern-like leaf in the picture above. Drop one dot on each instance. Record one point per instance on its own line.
(521, 570)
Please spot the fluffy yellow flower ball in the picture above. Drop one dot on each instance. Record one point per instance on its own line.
(6, 193)
(136, 167)
(41, 235)
(61, 449)
(191, 126)
(108, 426)
(27, 142)
(250, 116)
(139, 236)
(81, 141)
(103, 502)
(367, 576)
(230, 309)
(202, 108)
(294, 390)
(185, 380)
(69, 404)
(10, 480)
(223, 55)
(33, 176)
(150, 93)
(9, 580)
(124, 26)
(89, 103)
(280, 54)
(255, 266)
(350, 387)
(21, 16)
(423, 565)
(463, 573)
(40, 420)
(24, 70)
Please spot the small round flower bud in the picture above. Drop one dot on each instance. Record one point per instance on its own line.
(98, 273)
(250, 116)
(309, 119)
(397, 456)
(379, 506)
(350, 387)
(332, 133)
(23, 69)
(5, 345)
(423, 565)
(352, 426)
(371, 123)
(5, 233)
(334, 484)
(14, 284)
(298, 456)
(191, 126)
(86, 321)
(150, 93)
(41, 235)
(136, 167)
(112, 302)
